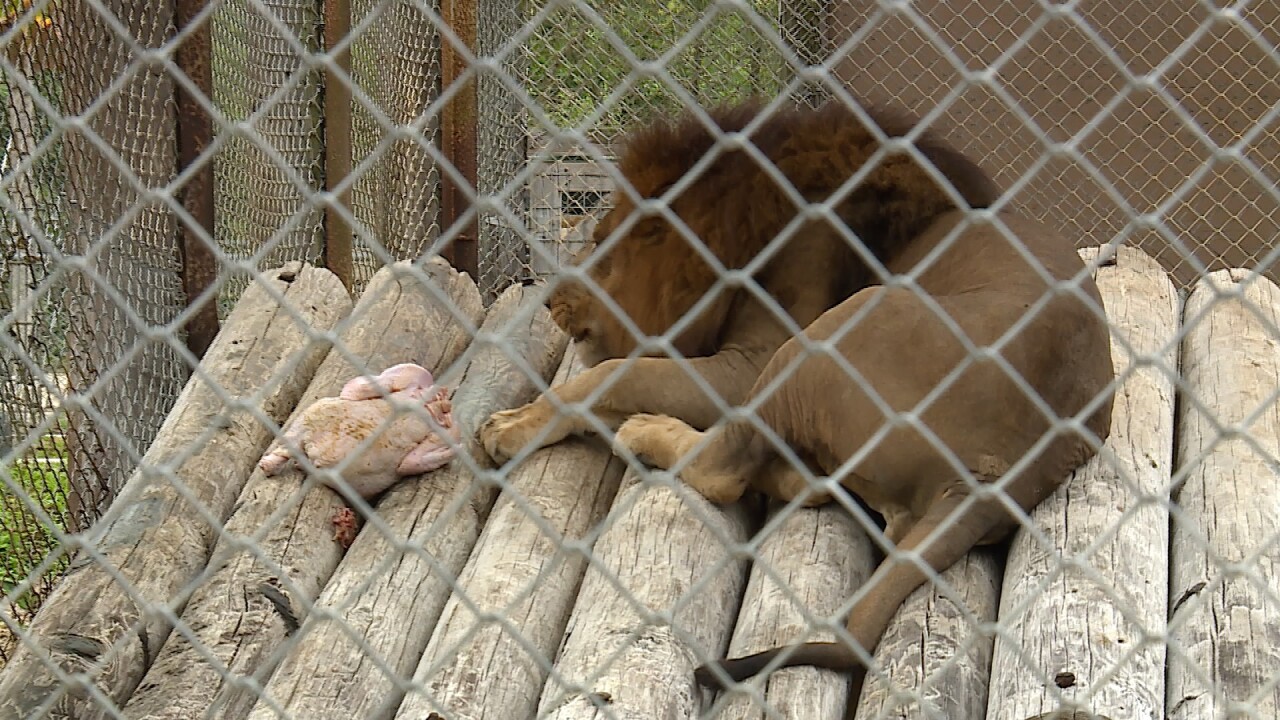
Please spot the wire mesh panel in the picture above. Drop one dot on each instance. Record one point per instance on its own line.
(395, 61)
(1070, 118)
(268, 173)
(91, 267)
(98, 209)
(33, 350)
(501, 152)
(126, 238)
(556, 511)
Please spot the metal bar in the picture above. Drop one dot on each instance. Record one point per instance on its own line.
(195, 132)
(458, 136)
(337, 135)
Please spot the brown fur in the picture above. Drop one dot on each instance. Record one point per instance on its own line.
(738, 345)
(903, 350)
(734, 208)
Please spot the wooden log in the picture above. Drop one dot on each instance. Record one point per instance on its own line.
(231, 630)
(520, 570)
(1225, 619)
(1073, 635)
(103, 618)
(385, 598)
(660, 599)
(823, 556)
(934, 652)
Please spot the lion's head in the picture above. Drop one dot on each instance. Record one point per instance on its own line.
(597, 334)
(650, 273)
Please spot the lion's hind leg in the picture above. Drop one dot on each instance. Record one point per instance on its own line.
(720, 470)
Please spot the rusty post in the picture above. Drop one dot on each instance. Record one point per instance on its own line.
(458, 136)
(195, 132)
(337, 141)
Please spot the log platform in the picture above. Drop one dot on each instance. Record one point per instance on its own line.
(1146, 588)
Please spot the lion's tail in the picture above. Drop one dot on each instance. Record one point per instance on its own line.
(894, 580)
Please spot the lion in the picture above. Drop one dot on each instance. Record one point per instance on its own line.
(735, 208)
(829, 337)
(996, 370)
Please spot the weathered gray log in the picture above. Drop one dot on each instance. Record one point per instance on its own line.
(282, 524)
(934, 651)
(520, 570)
(1225, 578)
(1072, 638)
(665, 551)
(156, 537)
(823, 556)
(387, 594)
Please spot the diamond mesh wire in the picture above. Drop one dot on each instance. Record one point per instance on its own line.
(1158, 119)
(396, 62)
(259, 80)
(1074, 81)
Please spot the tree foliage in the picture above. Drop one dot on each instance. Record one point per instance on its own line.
(715, 53)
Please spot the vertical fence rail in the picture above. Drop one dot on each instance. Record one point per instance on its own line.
(458, 135)
(194, 56)
(337, 138)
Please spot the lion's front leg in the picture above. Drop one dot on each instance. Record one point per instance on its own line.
(659, 386)
(540, 424)
(657, 440)
(710, 467)
(506, 432)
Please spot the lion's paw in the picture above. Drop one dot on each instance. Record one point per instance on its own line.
(657, 440)
(506, 432)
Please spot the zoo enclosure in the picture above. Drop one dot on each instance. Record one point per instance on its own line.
(1151, 124)
(248, 168)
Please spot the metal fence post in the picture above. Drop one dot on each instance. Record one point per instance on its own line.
(458, 135)
(195, 131)
(337, 136)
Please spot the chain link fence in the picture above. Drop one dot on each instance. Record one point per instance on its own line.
(1151, 124)
(1071, 84)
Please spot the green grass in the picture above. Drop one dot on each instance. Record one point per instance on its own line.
(24, 540)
